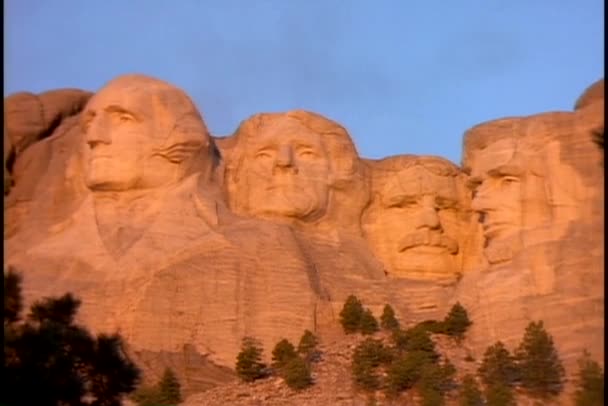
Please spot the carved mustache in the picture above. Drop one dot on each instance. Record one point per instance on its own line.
(430, 239)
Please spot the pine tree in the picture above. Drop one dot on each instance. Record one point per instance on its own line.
(590, 382)
(249, 365)
(308, 346)
(436, 377)
(368, 323)
(540, 368)
(388, 321)
(470, 394)
(297, 373)
(499, 394)
(498, 366)
(48, 359)
(456, 322)
(414, 339)
(405, 370)
(169, 388)
(367, 356)
(283, 352)
(350, 316)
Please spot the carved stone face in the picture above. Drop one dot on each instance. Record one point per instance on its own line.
(286, 171)
(497, 190)
(138, 132)
(415, 221)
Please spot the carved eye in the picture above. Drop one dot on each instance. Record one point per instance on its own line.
(264, 154)
(306, 153)
(124, 118)
(508, 181)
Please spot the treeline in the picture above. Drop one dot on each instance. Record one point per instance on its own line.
(409, 361)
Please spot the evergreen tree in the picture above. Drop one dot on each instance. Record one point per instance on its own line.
(297, 373)
(437, 378)
(540, 368)
(249, 365)
(367, 356)
(498, 366)
(308, 346)
(169, 388)
(60, 360)
(12, 297)
(283, 352)
(590, 383)
(350, 315)
(470, 394)
(388, 321)
(406, 369)
(456, 322)
(431, 326)
(368, 323)
(499, 394)
(414, 339)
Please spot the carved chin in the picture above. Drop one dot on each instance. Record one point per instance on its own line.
(497, 252)
(289, 205)
(424, 265)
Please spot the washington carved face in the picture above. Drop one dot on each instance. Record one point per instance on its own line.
(414, 223)
(126, 129)
(287, 171)
(496, 184)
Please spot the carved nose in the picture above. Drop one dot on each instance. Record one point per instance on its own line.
(480, 201)
(428, 218)
(284, 158)
(97, 133)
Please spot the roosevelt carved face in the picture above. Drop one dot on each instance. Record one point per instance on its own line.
(414, 223)
(126, 127)
(286, 171)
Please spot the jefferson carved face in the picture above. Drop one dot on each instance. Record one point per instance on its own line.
(286, 171)
(127, 126)
(414, 223)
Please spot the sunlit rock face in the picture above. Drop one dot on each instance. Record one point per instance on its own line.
(418, 221)
(185, 243)
(536, 186)
(296, 167)
(151, 248)
(302, 169)
(39, 132)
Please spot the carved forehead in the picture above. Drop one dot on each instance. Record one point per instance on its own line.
(155, 101)
(517, 140)
(416, 175)
(297, 123)
(433, 164)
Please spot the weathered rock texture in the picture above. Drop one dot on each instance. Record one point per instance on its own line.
(185, 243)
(535, 186)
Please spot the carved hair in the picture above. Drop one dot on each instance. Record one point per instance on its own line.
(434, 164)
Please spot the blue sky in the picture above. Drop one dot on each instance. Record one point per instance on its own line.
(401, 76)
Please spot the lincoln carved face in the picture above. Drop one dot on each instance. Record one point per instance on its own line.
(508, 166)
(496, 185)
(286, 166)
(139, 133)
(416, 217)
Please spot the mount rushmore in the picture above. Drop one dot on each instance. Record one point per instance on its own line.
(184, 242)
